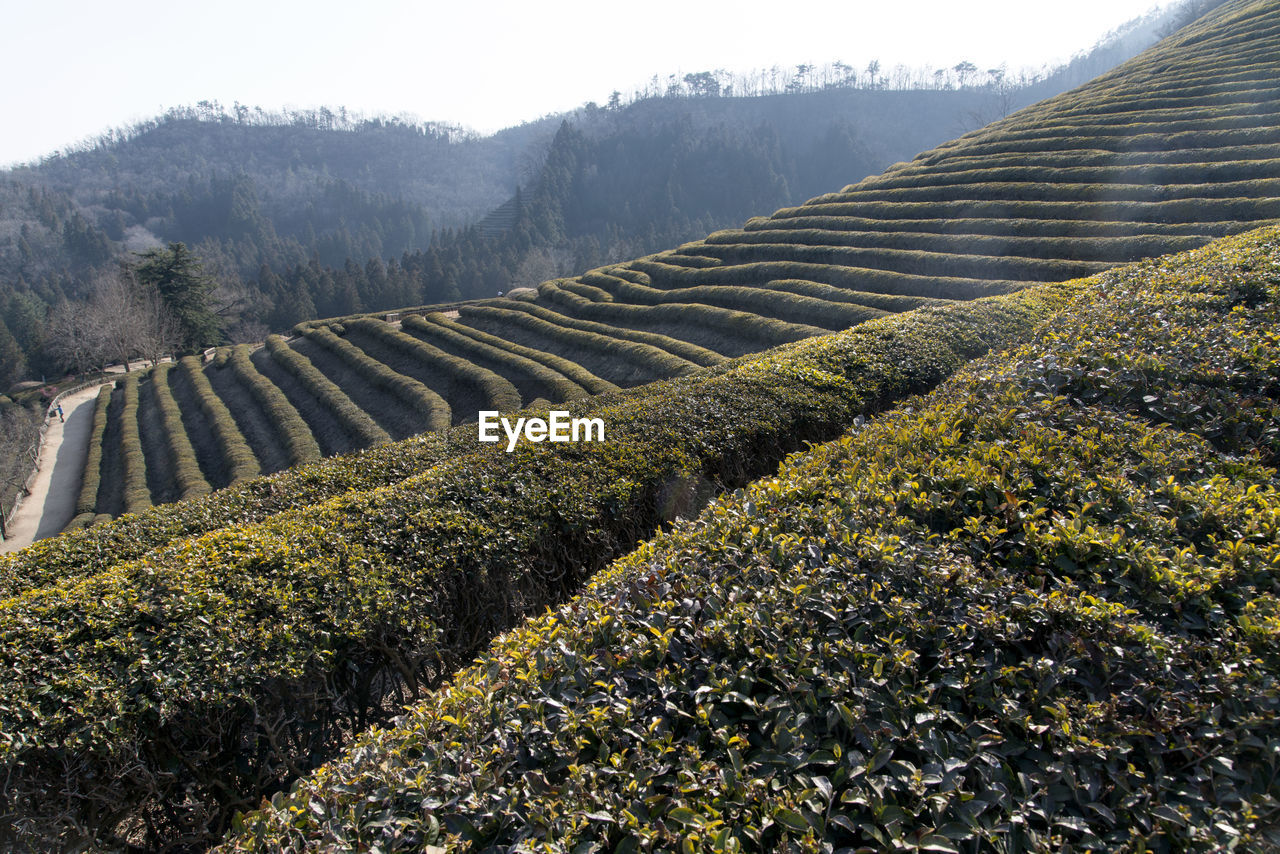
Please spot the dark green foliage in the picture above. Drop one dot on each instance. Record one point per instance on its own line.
(1035, 610)
(321, 215)
(417, 396)
(286, 636)
(239, 458)
(944, 631)
(1163, 154)
(294, 431)
(354, 420)
(498, 392)
(176, 275)
(81, 554)
(13, 362)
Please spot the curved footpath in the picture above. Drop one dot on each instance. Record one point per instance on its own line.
(51, 503)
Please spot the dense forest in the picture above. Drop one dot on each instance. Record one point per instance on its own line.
(298, 215)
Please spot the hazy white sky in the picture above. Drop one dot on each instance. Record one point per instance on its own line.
(74, 68)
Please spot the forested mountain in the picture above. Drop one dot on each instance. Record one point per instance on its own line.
(1102, 175)
(319, 213)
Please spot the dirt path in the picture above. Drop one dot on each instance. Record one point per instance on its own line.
(52, 502)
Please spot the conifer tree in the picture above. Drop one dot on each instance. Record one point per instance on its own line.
(178, 277)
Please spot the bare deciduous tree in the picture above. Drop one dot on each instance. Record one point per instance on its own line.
(114, 305)
(157, 331)
(72, 338)
(121, 320)
(248, 332)
(541, 265)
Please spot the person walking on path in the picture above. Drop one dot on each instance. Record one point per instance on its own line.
(51, 502)
(61, 417)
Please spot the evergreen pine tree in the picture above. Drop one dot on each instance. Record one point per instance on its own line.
(177, 276)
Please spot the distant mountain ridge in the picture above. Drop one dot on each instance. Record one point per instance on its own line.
(317, 213)
(1173, 149)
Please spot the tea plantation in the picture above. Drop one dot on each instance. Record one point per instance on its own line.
(1037, 609)
(1170, 150)
(167, 669)
(1014, 589)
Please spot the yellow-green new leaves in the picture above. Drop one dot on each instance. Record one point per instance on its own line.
(1021, 611)
(284, 636)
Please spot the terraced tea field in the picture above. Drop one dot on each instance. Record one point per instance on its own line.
(1036, 608)
(1170, 150)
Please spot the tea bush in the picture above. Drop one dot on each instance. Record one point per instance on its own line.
(1196, 112)
(1077, 248)
(806, 313)
(190, 481)
(354, 420)
(498, 392)
(1241, 210)
(1066, 224)
(885, 302)
(720, 329)
(294, 432)
(411, 392)
(1029, 611)
(518, 369)
(80, 554)
(137, 495)
(700, 356)
(164, 693)
(623, 361)
(87, 502)
(240, 460)
(922, 261)
(575, 373)
(1037, 611)
(666, 275)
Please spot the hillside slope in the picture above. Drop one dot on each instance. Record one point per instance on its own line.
(170, 668)
(165, 670)
(1166, 152)
(1037, 609)
(318, 213)
(309, 214)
